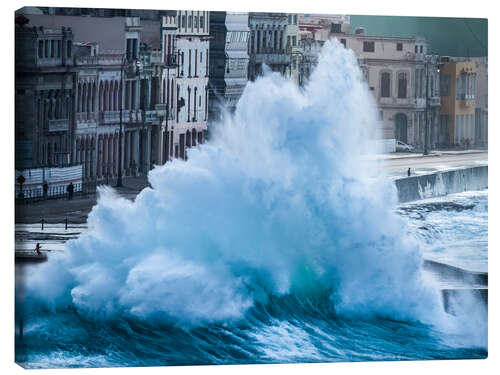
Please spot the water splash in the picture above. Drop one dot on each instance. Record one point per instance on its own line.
(278, 202)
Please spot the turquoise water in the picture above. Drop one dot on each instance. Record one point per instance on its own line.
(271, 244)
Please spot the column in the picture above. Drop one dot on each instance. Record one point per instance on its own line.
(126, 150)
(93, 146)
(136, 147)
(147, 148)
(105, 156)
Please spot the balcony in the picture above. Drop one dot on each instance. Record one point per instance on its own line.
(171, 61)
(151, 116)
(161, 109)
(434, 101)
(420, 102)
(110, 117)
(59, 125)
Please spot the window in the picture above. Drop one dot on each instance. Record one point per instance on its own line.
(195, 21)
(399, 46)
(295, 19)
(294, 40)
(336, 28)
(47, 50)
(59, 43)
(184, 21)
(40, 49)
(381, 115)
(189, 21)
(52, 48)
(416, 49)
(463, 87)
(288, 40)
(386, 85)
(402, 83)
(68, 49)
(368, 46)
(473, 86)
(444, 85)
(422, 48)
(344, 42)
(290, 19)
(202, 22)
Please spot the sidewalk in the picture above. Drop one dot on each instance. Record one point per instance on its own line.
(405, 155)
(75, 210)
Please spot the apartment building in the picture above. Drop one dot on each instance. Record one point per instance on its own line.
(229, 58)
(458, 102)
(192, 48)
(267, 43)
(404, 81)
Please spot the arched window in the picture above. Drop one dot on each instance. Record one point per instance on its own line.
(101, 97)
(402, 84)
(116, 96)
(385, 85)
(106, 96)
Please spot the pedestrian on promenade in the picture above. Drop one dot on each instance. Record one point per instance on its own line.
(45, 189)
(37, 249)
(409, 172)
(70, 189)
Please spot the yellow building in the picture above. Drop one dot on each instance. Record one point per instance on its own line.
(458, 102)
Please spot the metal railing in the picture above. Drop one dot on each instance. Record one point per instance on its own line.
(55, 192)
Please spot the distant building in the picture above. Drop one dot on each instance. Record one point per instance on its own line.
(292, 46)
(308, 58)
(458, 102)
(267, 43)
(401, 75)
(192, 48)
(45, 96)
(229, 36)
(481, 101)
(101, 48)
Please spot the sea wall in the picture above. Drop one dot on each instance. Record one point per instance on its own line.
(441, 183)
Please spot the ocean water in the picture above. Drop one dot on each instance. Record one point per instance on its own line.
(452, 229)
(272, 244)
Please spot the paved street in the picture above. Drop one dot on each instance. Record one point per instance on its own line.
(397, 165)
(55, 211)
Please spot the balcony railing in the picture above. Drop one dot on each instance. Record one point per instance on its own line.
(435, 101)
(59, 125)
(171, 61)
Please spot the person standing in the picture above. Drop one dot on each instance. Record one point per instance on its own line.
(70, 189)
(37, 249)
(45, 189)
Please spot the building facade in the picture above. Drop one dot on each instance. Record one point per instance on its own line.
(267, 43)
(458, 102)
(45, 85)
(405, 83)
(192, 47)
(110, 79)
(292, 46)
(113, 73)
(228, 74)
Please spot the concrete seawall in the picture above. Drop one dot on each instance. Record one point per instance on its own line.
(441, 183)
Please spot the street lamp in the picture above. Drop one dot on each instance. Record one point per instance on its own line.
(119, 182)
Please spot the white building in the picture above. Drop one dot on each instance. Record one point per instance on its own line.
(191, 91)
